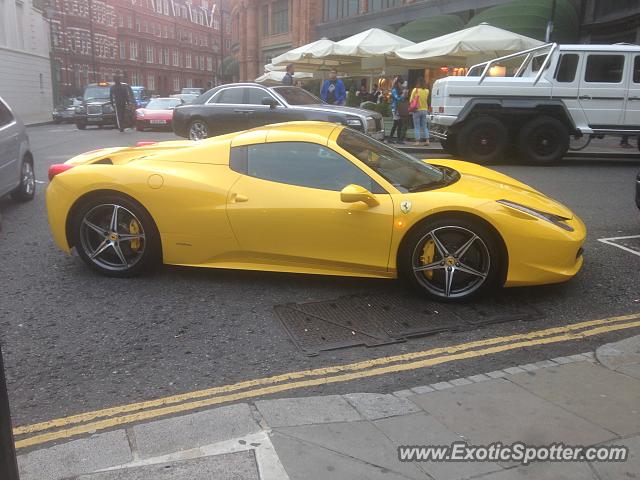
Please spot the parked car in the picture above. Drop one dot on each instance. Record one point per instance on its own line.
(96, 108)
(556, 91)
(157, 114)
(311, 197)
(235, 107)
(185, 97)
(17, 177)
(638, 190)
(141, 95)
(192, 90)
(65, 113)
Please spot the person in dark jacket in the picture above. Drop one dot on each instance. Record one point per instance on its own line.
(288, 77)
(333, 91)
(119, 97)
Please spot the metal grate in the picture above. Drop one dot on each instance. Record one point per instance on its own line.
(382, 319)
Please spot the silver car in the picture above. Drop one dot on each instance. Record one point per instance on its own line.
(16, 161)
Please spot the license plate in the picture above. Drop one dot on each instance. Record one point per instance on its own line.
(158, 122)
(94, 119)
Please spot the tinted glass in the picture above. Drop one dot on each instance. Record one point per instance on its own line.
(297, 96)
(255, 96)
(406, 173)
(567, 68)
(97, 92)
(5, 115)
(604, 68)
(230, 96)
(636, 69)
(163, 103)
(305, 165)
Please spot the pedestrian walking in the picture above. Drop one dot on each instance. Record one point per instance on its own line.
(418, 105)
(396, 98)
(333, 91)
(119, 97)
(403, 111)
(288, 77)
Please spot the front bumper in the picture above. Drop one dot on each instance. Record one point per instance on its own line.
(147, 123)
(100, 119)
(439, 125)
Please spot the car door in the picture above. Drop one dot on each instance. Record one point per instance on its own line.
(632, 110)
(286, 209)
(602, 89)
(9, 150)
(226, 111)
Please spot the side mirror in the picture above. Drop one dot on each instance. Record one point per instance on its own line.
(355, 193)
(269, 101)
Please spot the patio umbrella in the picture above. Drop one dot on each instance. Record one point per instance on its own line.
(468, 46)
(275, 77)
(309, 55)
(370, 43)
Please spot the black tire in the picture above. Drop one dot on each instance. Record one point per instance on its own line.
(482, 140)
(198, 130)
(81, 125)
(98, 210)
(449, 145)
(27, 188)
(483, 256)
(543, 140)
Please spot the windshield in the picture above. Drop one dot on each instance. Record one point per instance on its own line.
(137, 92)
(194, 91)
(406, 173)
(297, 96)
(97, 92)
(163, 103)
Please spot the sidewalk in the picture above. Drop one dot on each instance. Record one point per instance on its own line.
(586, 399)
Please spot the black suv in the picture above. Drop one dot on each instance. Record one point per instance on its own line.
(240, 106)
(96, 108)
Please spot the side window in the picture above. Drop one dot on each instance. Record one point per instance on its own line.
(5, 115)
(604, 68)
(255, 96)
(567, 66)
(233, 96)
(303, 164)
(636, 69)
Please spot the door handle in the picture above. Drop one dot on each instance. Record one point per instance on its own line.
(239, 198)
(243, 111)
(585, 97)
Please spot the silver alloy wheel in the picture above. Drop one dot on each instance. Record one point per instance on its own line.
(112, 237)
(198, 130)
(459, 264)
(28, 179)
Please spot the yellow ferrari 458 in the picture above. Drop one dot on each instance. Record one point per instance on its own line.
(311, 197)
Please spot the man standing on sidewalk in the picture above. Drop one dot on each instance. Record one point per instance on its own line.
(333, 91)
(288, 77)
(119, 97)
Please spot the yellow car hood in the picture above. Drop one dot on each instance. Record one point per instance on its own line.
(482, 182)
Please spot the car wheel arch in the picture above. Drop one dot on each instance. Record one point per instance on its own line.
(96, 194)
(464, 215)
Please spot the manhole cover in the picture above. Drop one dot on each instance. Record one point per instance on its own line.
(382, 319)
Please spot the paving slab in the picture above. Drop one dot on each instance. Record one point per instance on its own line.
(358, 440)
(230, 466)
(423, 429)
(591, 392)
(632, 370)
(191, 431)
(75, 458)
(617, 354)
(304, 411)
(500, 410)
(373, 406)
(545, 471)
(629, 469)
(309, 462)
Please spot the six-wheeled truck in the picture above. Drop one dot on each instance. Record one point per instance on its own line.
(533, 104)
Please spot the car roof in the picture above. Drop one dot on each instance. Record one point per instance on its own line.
(618, 47)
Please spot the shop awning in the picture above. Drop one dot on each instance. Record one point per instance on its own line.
(430, 27)
(530, 17)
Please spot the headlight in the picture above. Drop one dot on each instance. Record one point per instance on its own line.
(557, 220)
(354, 122)
(140, 113)
(107, 108)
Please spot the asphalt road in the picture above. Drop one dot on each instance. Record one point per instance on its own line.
(74, 341)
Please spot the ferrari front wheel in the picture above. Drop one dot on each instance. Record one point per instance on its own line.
(115, 236)
(451, 259)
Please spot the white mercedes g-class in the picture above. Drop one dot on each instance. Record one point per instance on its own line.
(532, 102)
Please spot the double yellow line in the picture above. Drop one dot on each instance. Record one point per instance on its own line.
(62, 428)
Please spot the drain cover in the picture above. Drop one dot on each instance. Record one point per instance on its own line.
(382, 319)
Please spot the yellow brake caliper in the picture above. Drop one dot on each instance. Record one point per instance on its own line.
(428, 252)
(134, 229)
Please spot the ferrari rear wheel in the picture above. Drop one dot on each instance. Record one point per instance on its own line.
(115, 236)
(451, 259)
(198, 130)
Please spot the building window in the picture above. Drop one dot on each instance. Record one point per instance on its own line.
(189, 82)
(187, 60)
(151, 82)
(216, 23)
(165, 5)
(176, 84)
(210, 64)
(133, 51)
(375, 5)
(280, 17)
(120, 21)
(130, 22)
(335, 9)
(149, 54)
(176, 58)
(165, 54)
(123, 51)
(265, 20)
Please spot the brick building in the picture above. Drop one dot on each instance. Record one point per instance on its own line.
(263, 29)
(163, 45)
